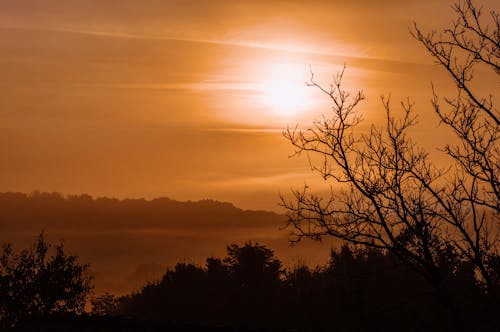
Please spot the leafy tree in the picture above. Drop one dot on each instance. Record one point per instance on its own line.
(253, 265)
(229, 290)
(388, 194)
(105, 304)
(34, 283)
(359, 289)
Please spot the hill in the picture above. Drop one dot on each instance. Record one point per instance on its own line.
(130, 241)
(53, 211)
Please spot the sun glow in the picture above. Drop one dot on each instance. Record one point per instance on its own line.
(284, 90)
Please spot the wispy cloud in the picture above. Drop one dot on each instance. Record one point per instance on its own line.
(243, 44)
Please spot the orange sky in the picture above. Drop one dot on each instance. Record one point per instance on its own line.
(187, 99)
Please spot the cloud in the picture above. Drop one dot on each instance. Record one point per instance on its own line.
(280, 25)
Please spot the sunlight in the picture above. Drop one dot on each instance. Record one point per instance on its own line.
(284, 90)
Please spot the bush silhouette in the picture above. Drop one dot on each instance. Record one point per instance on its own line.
(35, 283)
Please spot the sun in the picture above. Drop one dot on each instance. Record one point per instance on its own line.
(284, 91)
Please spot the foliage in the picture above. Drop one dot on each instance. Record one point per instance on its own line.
(220, 291)
(105, 304)
(35, 283)
(359, 289)
(252, 265)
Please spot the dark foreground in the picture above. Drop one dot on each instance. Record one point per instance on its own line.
(123, 324)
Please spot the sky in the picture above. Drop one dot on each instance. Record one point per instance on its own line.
(188, 99)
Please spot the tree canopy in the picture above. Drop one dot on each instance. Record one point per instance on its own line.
(38, 282)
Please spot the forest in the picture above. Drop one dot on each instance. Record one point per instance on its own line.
(247, 290)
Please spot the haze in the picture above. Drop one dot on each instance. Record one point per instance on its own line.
(168, 98)
(188, 99)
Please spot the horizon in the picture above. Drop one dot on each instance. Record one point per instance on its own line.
(116, 198)
(130, 242)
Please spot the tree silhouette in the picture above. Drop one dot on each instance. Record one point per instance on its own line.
(386, 192)
(230, 290)
(253, 266)
(472, 43)
(35, 284)
(105, 304)
(358, 289)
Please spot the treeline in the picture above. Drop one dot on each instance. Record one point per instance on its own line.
(357, 290)
(42, 210)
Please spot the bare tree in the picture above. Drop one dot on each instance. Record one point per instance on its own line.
(473, 42)
(387, 193)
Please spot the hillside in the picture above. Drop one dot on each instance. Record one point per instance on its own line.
(53, 211)
(130, 241)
